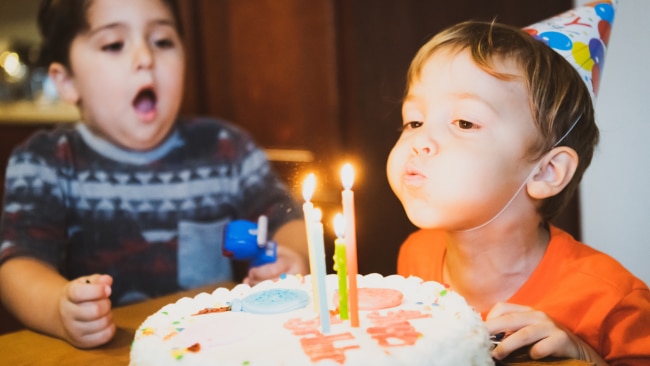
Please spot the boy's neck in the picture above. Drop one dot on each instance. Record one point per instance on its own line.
(491, 265)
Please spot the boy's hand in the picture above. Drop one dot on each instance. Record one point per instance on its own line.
(525, 326)
(288, 262)
(85, 311)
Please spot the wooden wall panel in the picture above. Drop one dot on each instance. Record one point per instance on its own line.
(270, 67)
(327, 76)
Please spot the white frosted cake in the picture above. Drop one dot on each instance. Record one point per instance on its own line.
(403, 321)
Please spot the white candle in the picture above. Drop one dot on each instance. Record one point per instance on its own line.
(350, 237)
(308, 188)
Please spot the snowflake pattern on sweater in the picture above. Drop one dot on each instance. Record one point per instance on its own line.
(153, 220)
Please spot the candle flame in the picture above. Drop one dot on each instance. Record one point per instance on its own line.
(347, 176)
(339, 225)
(308, 187)
(317, 215)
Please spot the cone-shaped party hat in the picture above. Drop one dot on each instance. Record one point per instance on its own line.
(581, 36)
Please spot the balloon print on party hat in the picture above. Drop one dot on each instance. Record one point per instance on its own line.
(581, 36)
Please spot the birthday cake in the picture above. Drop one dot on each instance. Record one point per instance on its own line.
(402, 321)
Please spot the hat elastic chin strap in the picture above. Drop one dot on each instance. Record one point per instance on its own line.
(525, 181)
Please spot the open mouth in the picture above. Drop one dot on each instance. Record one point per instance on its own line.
(145, 103)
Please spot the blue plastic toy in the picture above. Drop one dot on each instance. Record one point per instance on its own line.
(247, 241)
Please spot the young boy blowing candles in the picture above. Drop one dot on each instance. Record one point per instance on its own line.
(498, 131)
(131, 203)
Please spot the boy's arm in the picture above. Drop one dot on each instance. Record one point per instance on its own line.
(76, 311)
(292, 254)
(293, 236)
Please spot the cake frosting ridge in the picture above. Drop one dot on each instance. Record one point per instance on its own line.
(403, 321)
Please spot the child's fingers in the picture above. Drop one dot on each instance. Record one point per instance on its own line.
(520, 338)
(294, 263)
(93, 333)
(288, 262)
(97, 338)
(88, 288)
(264, 272)
(92, 310)
(525, 326)
(96, 279)
(504, 318)
(556, 345)
(508, 318)
(89, 325)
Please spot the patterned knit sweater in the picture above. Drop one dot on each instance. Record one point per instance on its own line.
(153, 220)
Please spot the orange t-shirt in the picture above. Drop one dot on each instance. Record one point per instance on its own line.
(585, 290)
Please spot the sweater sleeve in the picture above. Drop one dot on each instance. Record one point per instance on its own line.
(262, 190)
(33, 219)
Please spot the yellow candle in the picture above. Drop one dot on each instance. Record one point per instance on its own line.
(340, 265)
(347, 178)
(319, 261)
(308, 188)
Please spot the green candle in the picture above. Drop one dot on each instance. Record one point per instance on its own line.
(340, 266)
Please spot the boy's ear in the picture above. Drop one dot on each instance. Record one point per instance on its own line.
(64, 83)
(553, 173)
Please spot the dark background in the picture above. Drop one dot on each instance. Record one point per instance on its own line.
(322, 80)
(327, 76)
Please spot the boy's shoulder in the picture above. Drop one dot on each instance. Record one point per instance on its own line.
(47, 139)
(207, 135)
(589, 262)
(197, 127)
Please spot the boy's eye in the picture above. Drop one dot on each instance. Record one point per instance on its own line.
(164, 43)
(466, 125)
(113, 47)
(411, 125)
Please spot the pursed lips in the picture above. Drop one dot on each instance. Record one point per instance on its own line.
(413, 176)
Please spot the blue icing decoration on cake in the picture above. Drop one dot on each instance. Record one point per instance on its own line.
(273, 301)
(236, 305)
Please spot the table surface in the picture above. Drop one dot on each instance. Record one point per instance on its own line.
(26, 347)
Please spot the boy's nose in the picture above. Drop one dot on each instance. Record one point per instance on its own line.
(143, 58)
(423, 145)
(422, 150)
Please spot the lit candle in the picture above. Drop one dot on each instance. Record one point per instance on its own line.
(340, 265)
(319, 261)
(347, 178)
(308, 188)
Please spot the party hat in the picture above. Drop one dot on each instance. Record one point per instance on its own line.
(580, 35)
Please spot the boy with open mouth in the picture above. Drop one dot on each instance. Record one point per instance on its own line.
(132, 202)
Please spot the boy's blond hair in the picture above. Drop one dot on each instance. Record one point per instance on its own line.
(557, 94)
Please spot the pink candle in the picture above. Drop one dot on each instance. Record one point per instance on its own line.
(347, 177)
